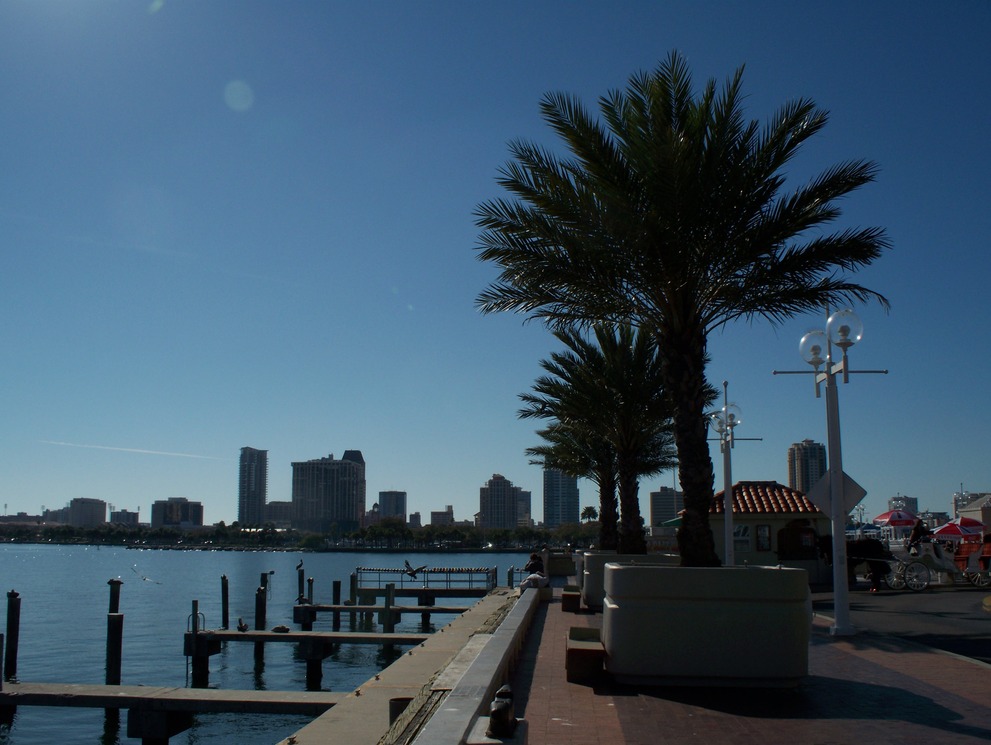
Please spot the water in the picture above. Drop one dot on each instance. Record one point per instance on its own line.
(65, 599)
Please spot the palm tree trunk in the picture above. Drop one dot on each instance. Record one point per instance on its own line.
(608, 512)
(684, 372)
(631, 538)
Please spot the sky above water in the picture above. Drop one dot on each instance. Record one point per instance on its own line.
(228, 224)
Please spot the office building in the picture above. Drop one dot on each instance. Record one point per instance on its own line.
(499, 504)
(442, 517)
(806, 465)
(392, 504)
(87, 513)
(176, 512)
(328, 495)
(906, 504)
(665, 504)
(252, 487)
(560, 498)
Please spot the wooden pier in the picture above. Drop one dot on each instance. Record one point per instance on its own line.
(154, 714)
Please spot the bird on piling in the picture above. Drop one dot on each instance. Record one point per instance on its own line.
(241, 625)
(412, 572)
(299, 565)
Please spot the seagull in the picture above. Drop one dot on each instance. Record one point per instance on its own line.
(413, 572)
(146, 579)
(241, 625)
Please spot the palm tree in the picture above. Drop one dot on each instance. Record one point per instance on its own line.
(608, 397)
(589, 513)
(671, 214)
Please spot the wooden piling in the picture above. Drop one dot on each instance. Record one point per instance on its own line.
(115, 640)
(260, 599)
(336, 600)
(199, 653)
(13, 635)
(225, 604)
(115, 584)
(309, 590)
(300, 582)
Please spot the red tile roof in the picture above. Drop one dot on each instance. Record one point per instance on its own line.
(763, 497)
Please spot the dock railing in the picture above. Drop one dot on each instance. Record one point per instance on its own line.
(432, 578)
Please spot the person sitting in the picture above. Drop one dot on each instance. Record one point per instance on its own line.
(919, 533)
(536, 576)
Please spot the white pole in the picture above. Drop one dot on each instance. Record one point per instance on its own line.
(727, 442)
(841, 595)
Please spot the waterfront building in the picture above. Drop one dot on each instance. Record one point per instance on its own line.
(906, 504)
(125, 518)
(499, 503)
(279, 514)
(392, 504)
(252, 490)
(328, 495)
(87, 513)
(806, 465)
(560, 498)
(176, 512)
(414, 520)
(442, 517)
(665, 504)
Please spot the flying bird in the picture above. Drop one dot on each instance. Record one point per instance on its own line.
(412, 572)
(241, 625)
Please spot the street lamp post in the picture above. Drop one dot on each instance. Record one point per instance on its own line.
(724, 422)
(843, 330)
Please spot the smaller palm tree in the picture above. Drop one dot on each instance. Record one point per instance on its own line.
(589, 514)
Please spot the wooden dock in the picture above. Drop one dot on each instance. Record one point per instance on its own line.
(319, 637)
(154, 714)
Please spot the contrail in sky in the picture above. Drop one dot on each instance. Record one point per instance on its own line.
(130, 450)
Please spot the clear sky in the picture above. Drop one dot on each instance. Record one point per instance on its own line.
(250, 223)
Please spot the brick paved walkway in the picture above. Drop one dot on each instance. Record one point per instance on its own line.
(868, 689)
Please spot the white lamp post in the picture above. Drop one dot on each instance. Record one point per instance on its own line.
(724, 422)
(843, 329)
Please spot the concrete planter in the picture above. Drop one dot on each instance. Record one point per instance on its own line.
(724, 626)
(593, 574)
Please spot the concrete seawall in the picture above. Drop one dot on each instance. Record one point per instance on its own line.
(440, 684)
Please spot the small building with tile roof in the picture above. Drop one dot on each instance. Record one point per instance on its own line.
(772, 524)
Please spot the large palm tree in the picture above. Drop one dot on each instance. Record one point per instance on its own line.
(608, 397)
(671, 213)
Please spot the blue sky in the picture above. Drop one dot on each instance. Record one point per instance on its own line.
(250, 223)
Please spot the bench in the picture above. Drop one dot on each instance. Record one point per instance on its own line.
(584, 655)
(571, 599)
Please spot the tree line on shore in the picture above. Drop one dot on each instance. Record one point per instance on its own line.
(387, 534)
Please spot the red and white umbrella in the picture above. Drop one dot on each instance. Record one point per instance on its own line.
(962, 528)
(896, 518)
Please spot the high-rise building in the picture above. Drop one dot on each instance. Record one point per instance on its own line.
(906, 504)
(665, 504)
(499, 503)
(328, 495)
(87, 513)
(806, 465)
(176, 512)
(392, 504)
(560, 498)
(252, 487)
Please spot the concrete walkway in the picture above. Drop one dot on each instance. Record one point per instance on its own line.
(868, 689)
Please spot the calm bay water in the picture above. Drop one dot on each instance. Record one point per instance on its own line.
(64, 604)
